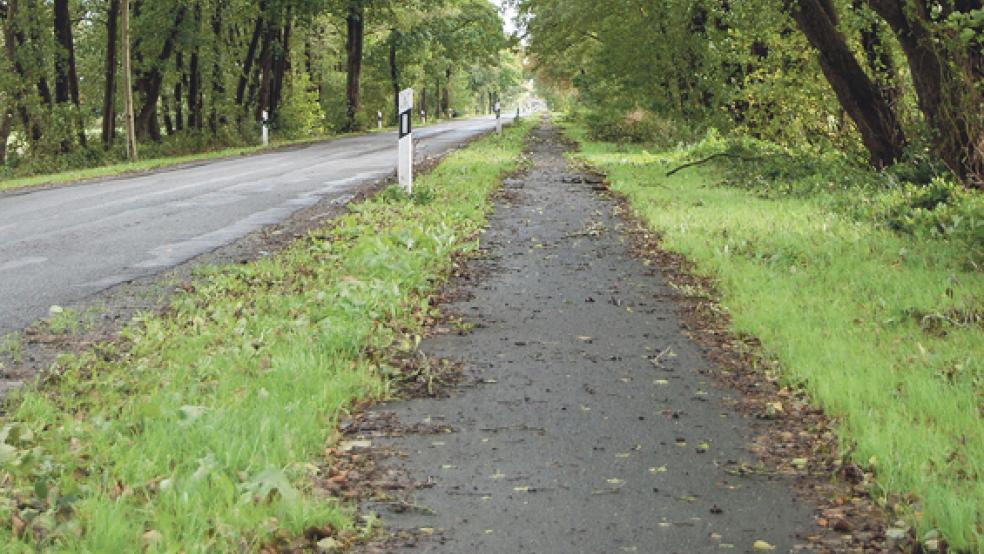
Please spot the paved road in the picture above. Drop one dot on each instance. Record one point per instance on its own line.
(61, 245)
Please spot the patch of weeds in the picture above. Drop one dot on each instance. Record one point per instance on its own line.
(12, 345)
(63, 321)
(203, 430)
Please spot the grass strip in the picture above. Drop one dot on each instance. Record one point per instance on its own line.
(883, 330)
(201, 430)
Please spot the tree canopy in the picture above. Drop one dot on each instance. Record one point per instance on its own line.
(887, 79)
(205, 70)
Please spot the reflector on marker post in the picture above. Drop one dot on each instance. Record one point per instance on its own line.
(405, 167)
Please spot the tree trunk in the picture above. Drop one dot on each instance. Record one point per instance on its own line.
(248, 61)
(178, 124)
(437, 97)
(312, 72)
(394, 71)
(265, 70)
(66, 74)
(281, 67)
(355, 25)
(218, 87)
(109, 94)
(942, 96)
(874, 118)
(879, 57)
(166, 108)
(34, 30)
(6, 125)
(150, 83)
(12, 38)
(446, 101)
(131, 134)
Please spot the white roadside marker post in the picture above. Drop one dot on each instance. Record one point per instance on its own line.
(405, 167)
(379, 119)
(265, 132)
(498, 118)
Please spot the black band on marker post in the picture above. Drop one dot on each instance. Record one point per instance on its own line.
(406, 123)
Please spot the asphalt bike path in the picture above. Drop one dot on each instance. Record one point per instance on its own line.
(586, 422)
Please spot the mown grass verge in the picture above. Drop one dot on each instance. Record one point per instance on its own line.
(885, 330)
(202, 430)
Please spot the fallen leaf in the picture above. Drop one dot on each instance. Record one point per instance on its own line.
(896, 533)
(348, 446)
(328, 545)
(762, 546)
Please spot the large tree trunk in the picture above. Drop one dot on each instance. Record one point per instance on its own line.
(6, 126)
(178, 124)
(943, 97)
(312, 71)
(446, 100)
(879, 57)
(262, 83)
(168, 122)
(195, 99)
(12, 38)
(248, 61)
(394, 71)
(66, 75)
(131, 133)
(354, 40)
(109, 94)
(861, 98)
(281, 66)
(150, 81)
(218, 87)
(34, 47)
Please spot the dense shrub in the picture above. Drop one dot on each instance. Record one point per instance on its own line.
(634, 126)
(913, 197)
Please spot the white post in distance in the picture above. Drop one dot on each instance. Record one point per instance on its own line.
(405, 167)
(265, 132)
(498, 117)
(379, 119)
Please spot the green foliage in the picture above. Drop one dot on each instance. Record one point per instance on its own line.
(635, 126)
(881, 328)
(301, 114)
(205, 430)
(297, 72)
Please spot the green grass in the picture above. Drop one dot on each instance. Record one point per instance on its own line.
(202, 430)
(884, 330)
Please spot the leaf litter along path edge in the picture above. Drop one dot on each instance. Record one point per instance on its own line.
(584, 422)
